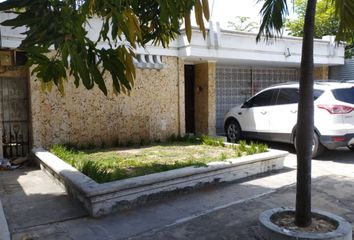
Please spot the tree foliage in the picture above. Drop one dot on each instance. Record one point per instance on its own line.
(275, 12)
(243, 24)
(327, 22)
(126, 24)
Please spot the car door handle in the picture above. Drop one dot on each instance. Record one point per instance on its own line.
(264, 112)
(293, 111)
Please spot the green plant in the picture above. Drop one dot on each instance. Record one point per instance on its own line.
(129, 143)
(223, 157)
(69, 145)
(116, 143)
(103, 144)
(262, 148)
(172, 138)
(241, 148)
(191, 139)
(94, 170)
(212, 141)
(252, 149)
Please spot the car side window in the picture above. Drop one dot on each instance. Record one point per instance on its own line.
(288, 96)
(317, 93)
(265, 98)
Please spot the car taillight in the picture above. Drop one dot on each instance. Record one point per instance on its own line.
(336, 109)
(338, 139)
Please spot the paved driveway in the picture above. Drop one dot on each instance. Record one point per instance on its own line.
(228, 211)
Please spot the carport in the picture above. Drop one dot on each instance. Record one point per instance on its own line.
(234, 67)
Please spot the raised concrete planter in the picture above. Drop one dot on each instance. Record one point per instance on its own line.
(270, 231)
(102, 199)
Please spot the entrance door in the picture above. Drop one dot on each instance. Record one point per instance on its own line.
(14, 116)
(189, 81)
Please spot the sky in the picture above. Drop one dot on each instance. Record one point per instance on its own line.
(226, 10)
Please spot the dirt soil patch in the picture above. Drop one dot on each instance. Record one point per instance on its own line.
(320, 224)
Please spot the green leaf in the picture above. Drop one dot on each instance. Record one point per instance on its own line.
(273, 14)
(188, 26)
(61, 25)
(206, 9)
(345, 12)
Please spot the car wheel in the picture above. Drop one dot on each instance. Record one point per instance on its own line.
(233, 131)
(351, 147)
(317, 147)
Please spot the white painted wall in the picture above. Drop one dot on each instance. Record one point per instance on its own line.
(219, 45)
(241, 48)
(10, 38)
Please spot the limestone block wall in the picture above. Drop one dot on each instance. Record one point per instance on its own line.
(205, 99)
(151, 112)
(321, 73)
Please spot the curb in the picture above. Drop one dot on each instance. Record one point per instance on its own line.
(4, 232)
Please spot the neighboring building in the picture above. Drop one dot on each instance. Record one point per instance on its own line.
(185, 88)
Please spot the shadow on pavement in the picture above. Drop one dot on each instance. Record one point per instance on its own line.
(340, 155)
(240, 221)
(30, 198)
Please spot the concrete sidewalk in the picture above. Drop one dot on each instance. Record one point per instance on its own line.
(36, 208)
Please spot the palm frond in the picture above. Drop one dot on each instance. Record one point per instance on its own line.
(345, 13)
(273, 15)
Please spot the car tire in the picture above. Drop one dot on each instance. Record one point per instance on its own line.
(351, 147)
(233, 131)
(317, 148)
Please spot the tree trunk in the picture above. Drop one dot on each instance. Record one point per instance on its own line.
(305, 122)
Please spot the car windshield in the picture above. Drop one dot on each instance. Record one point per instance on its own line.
(344, 94)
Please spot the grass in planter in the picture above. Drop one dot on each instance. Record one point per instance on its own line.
(105, 165)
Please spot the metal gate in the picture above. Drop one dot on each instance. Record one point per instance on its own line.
(14, 116)
(343, 72)
(235, 84)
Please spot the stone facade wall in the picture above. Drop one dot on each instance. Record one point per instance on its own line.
(321, 73)
(151, 112)
(205, 99)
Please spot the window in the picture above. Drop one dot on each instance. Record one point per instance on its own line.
(344, 95)
(288, 96)
(265, 98)
(291, 95)
(317, 93)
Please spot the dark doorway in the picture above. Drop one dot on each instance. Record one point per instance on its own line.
(189, 81)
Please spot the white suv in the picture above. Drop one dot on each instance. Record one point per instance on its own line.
(272, 115)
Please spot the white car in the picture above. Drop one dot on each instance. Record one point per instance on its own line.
(272, 115)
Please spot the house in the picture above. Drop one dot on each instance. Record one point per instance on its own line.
(185, 88)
